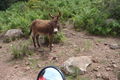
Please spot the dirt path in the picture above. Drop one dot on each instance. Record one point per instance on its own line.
(9, 69)
(77, 44)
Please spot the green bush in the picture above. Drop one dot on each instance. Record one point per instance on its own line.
(21, 50)
(57, 38)
(89, 15)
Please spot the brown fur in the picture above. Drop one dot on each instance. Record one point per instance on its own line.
(45, 27)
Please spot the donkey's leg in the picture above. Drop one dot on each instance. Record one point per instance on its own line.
(37, 37)
(33, 37)
(50, 41)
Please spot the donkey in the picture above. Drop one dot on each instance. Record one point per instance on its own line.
(45, 27)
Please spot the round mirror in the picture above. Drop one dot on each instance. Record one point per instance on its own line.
(50, 73)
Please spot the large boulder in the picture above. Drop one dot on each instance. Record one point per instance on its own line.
(12, 34)
(76, 65)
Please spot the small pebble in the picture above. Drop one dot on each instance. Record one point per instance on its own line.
(27, 68)
(105, 77)
(39, 66)
(114, 65)
(16, 66)
(98, 75)
(108, 69)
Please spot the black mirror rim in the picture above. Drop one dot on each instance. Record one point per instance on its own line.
(54, 68)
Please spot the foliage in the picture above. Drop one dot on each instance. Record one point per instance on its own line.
(57, 38)
(89, 15)
(21, 50)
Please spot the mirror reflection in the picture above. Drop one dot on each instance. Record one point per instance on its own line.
(50, 74)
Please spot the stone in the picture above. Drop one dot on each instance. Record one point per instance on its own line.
(108, 69)
(78, 64)
(39, 66)
(96, 69)
(106, 44)
(27, 63)
(114, 65)
(95, 60)
(105, 76)
(27, 68)
(16, 66)
(113, 62)
(14, 33)
(98, 75)
(114, 46)
(54, 58)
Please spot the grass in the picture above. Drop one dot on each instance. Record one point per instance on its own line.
(76, 78)
(85, 14)
(21, 50)
(10, 39)
(100, 40)
(58, 38)
(78, 49)
(118, 53)
(33, 63)
(87, 45)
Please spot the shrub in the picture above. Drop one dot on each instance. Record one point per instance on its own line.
(59, 37)
(21, 50)
(89, 15)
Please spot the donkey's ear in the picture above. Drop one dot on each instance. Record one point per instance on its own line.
(51, 15)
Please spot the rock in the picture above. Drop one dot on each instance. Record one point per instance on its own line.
(95, 60)
(27, 68)
(12, 34)
(114, 46)
(98, 75)
(113, 62)
(114, 65)
(54, 58)
(106, 44)
(78, 64)
(105, 76)
(96, 69)
(16, 66)
(27, 63)
(108, 69)
(39, 66)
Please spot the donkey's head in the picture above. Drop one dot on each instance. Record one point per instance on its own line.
(54, 22)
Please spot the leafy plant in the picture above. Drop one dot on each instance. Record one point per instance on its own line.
(89, 15)
(57, 38)
(21, 50)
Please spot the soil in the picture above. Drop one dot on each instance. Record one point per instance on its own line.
(105, 60)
